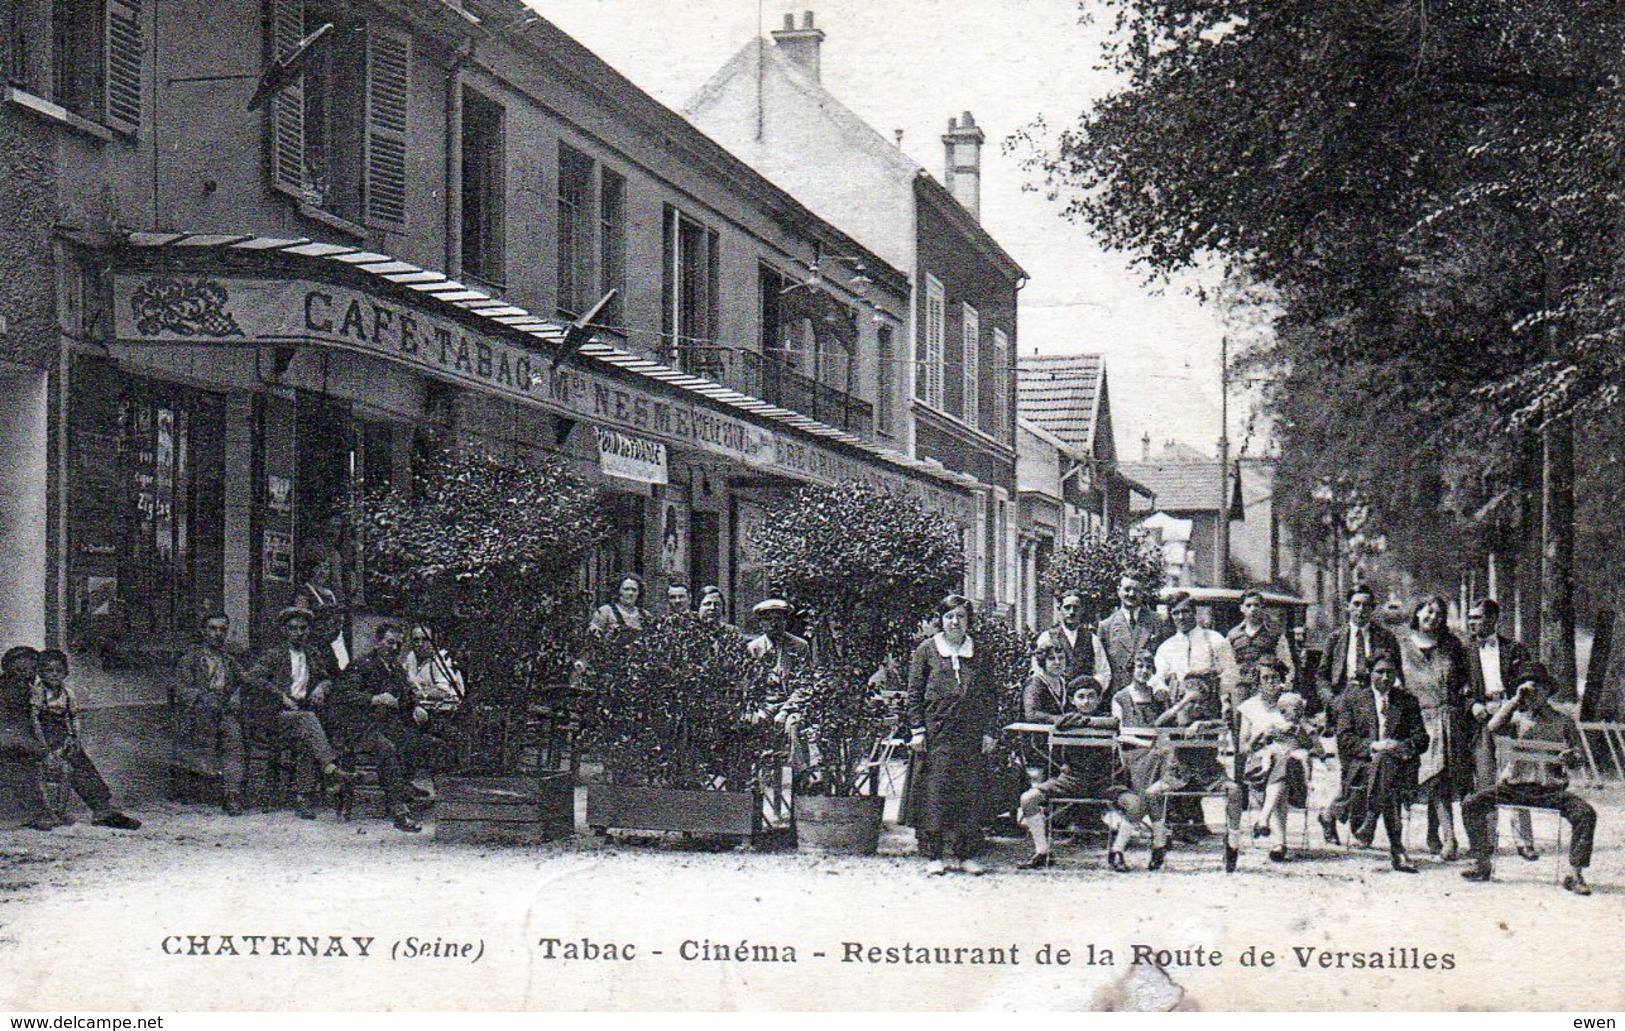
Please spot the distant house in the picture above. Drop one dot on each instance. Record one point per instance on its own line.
(1186, 486)
(1068, 483)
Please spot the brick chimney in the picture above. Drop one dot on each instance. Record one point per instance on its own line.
(800, 45)
(962, 151)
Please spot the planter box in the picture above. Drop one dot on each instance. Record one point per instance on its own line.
(515, 810)
(844, 826)
(735, 813)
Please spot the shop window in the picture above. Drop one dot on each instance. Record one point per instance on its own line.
(145, 514)
(575, 228)
(484, 155)
(612, 246)
(689, 282)
(340, 140)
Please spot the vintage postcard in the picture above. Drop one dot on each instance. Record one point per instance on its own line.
(624, 505)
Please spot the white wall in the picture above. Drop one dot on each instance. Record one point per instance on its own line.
(23, 509)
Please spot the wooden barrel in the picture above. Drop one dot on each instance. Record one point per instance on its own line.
(849, 826)
(524, 810)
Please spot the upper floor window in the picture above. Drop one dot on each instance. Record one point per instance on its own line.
(689, 281)
(928, 356)
(484, 242)
(92, 66)
(885, 371)
(612, 246)
(340, 140)
(575, 229)
(971, 367)
(1002, 386)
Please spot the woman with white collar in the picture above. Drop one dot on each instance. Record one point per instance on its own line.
(953, 711)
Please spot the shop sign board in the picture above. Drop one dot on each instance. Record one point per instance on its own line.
(629, 457)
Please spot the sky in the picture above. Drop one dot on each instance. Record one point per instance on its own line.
(912, 64)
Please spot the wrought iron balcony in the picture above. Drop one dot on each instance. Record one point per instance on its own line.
(777, 383)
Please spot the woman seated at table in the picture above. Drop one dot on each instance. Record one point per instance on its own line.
(1136, 708)
(1276, 742)
(1084, 773)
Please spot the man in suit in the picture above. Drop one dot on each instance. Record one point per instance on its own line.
(1353, 647)
(377, 701)
(1133, 628)
(208, 709)
(1493, 660)
(1380, 734)
(287, 685)
(1085, 656)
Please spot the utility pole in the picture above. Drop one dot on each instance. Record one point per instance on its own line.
(1221, 553)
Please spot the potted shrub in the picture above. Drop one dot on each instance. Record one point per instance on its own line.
(864, 565)
(677, 713)
(487, 552)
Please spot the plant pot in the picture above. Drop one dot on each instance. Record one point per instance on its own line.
(524, 810)
(623, 807)
(846, 826)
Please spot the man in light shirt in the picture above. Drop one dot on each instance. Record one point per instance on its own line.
(289, 683)
(1195, 653)
(1493, 660)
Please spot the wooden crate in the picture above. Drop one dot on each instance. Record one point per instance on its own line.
(734, 813)
(524, 810)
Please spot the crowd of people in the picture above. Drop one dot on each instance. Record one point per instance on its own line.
(1418, 716)
(1143, 715)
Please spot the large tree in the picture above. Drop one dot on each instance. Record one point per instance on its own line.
(1431, 190)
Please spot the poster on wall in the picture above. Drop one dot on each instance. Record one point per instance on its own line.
(750, 578)
(674, 541)
(278, 555)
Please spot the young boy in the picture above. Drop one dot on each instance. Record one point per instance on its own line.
(21, 749)
(58, 720)
(1085, 773)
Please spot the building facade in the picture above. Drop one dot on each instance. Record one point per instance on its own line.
(952, 369)
(247, 283)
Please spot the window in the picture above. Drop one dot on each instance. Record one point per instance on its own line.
(92, 63)
(972, 365)
(483, 166)
(575, 228)
(612, 245)
(928, 360)
(885, 370)
(1004, 548)
(339, 139)
(689, 293)
(1001, 386)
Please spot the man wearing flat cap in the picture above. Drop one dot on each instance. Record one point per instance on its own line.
(784, 652)
(288, 685)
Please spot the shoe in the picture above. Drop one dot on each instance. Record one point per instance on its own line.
(116, 820)
(1328, 829)
(1528, 852)
(421, 794)
(1476, 872)
(1362, 840)
(1450, 853)
(1036, 861)
(233, 805)
(1576, 884)
(1231, 855)
(1116, 862)
(1261, 830)
(973, 868)
(1157, 856)
(936, 868)
(1280, 855)
(953, 865)
(1402, 863)
(404, 822)
(303, 807)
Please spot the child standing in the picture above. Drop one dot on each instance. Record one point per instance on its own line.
(57, 717)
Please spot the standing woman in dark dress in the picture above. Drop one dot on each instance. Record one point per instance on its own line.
(954, 714)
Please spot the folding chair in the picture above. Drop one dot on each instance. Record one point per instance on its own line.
(1194, 765)
(1306, 811)
(1613, 739)
(1091, 752)
(1521, 750)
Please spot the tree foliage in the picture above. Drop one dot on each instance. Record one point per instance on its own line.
(487, 552)
(1430, 191)
(1093, 566)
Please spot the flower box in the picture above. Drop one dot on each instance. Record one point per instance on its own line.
(523, 810)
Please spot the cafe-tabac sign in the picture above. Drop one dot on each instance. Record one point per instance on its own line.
(183, 309)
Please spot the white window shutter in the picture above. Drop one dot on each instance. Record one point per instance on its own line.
(123, 53)
(389, 74)
(288, 107)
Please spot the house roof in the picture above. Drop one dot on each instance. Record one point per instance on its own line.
(1063, 393)
(1182, 487)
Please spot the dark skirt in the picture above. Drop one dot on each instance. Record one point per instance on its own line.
(946, 789)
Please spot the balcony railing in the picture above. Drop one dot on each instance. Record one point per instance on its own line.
(756, 374)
